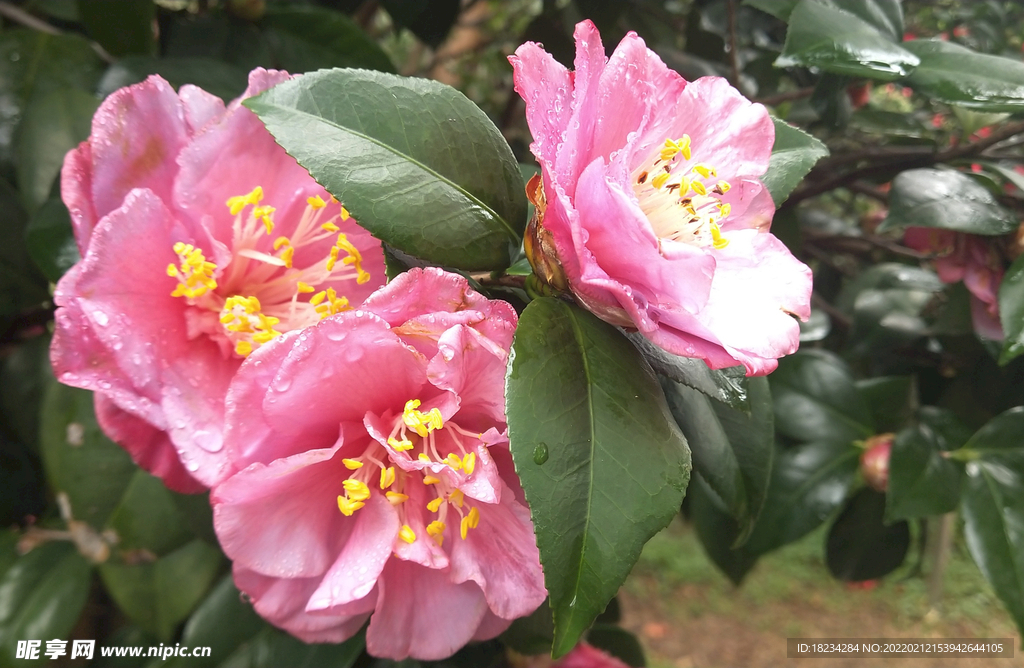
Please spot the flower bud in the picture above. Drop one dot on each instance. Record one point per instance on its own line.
(538, 244)
(874, 461)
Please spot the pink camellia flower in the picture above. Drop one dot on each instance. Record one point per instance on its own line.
(201, 240)
(374, 477)
(651, 210)
(969, 258)
(586, 656)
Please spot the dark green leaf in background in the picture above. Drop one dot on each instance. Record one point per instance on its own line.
(1011, 310)
(809, 483)
(416, 163)
(860, 546)
(922, 481)
(54, 124)
(147, 518)
(794, 154)
(993, 507)
(158, 594)
(24, 377)
(272, 648)
(946, 199)
(732, 450)
(892, 400)
(718, 532)
(41, 596)
(841, 42)
(222, 79)
(957, 75)
(617, 642)
(887, 302)
(305, 38)
(429, 20)
(885, 15)
(50, 240)
(816, 399)
(80, 461)
(726, 385)
(21, 285)
(603, 465)
(222, 622)
(122, 27)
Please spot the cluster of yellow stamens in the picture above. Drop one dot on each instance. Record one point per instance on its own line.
(672, 189)
(415, 429)
(244, 315)
(194, 274)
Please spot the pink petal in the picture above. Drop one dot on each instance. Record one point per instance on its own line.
(353, 575)
(76, 191)
(201, 108)
(491, 627)
(419, 292)
(282, 519)
(472, 366)
(546, 86)
(501, 556)
(281, 601)
(410, 600)
(149, 447)
(585, 656)
(423, 551)
(576, 148)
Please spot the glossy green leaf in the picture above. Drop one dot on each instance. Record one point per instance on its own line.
(33, 64)
(718, 532)
(840, 42)
(860, 546)
(24, 376)
(887, 302)
(892, 400)
(1011, 310)
(21, 488)
(922, 481)
(619, 643)
(147, 517)
(809, 483)
(54, 124)
(21, 284)
(727, 385)
(732, 450)
(416, 163)
(122, 27)
(224, 80)
(533, 634)
(815, 399)
(429, 20)
(222, 622)
(601, 460)
(41, 596)
(272, 648)
(780, 9)
(158, 595)
(77, 456)
(793, 155)
(993, 507)
(886, 15)
(957, 75)
(50, 240)
(306, 37)
(946, 199)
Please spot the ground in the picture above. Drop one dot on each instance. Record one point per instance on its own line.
(688, 615)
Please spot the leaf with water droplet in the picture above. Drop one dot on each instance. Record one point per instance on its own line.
(540, 454)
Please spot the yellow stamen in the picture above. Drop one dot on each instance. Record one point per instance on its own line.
(354, 257)
(316, 202)
(194, 273)
(457, 497)
(469, 463)
(436, 530)
(421, 423)
(473, 517)
(317, 298)
(435, 505)
(396, 497)
(699, 188)
(718, 241)
(402, 445)
(423, 457)
(305, 288)
(243, 348)
(659, 180)
(430, 480)
(347, 506)
(288, 255)
(281, 241)
(345, 215)
(705, 170)
(387, 477)
(725, 209)
(357, 490)
(352, 464)
(330, 227)
(407, 534)
(239, 202)
(454, 461)
(724, 186)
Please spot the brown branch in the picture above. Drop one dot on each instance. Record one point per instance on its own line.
(887, 162)
(779, 98)
(840, 318)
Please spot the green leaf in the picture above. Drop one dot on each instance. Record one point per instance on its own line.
(222, 79)
(54, 124)
(223, 622)
(718, 531)
(840, 42)
(891, 399)
(794, 154)
(732, 450)
(33, 64)
(860, 546)
(726, 385)
(617, 642)
(533, 634)
(946, 199)
(416, 163)
(816, 399)
(1011, 310)
(147, 517)
(602, 462)
(159, 594)
(780, 9)
(41, 596)
(50, 240)
(272, 649)
(24, 376)
(305, 38)
(122, 27)
(922, 482)
(21, 284)
(993, 507)
(957, 75)
(79, 460)
(886, 15)
(429, 20)
(809, 483)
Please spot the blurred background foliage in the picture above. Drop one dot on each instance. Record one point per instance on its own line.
(919, 105)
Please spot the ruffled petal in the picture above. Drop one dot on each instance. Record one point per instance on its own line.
(76, 191)
(547, 88)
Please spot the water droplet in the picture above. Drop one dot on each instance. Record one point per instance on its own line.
(540, 454)
(101, 318)
(282, 383)
(207, 440)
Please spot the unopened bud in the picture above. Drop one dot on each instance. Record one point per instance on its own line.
(538, 243)
(874, 461)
